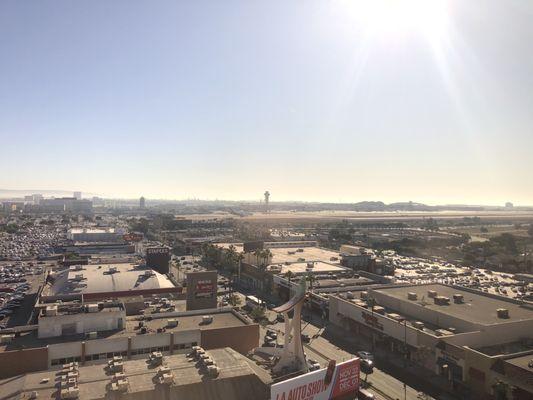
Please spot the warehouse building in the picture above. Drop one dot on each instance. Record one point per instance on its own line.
(76, 333)
(455, 332)
(101, 281)
(228, 374)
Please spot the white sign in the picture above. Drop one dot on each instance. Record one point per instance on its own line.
(311, 386)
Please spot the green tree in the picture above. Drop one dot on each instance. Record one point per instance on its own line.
(257, 313)
(311, 279)
(234, 300)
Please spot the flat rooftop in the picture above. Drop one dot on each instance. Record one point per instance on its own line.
(92, 230)
(185, 323)
(221, 319)
(477, 308)
(301, 268)
(291, 254)
(238, 378)
(98, 279)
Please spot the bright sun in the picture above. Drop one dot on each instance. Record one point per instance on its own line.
(396, 17)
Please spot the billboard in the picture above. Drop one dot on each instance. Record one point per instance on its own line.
(205, 289)
(313, 386)
(158, 258)
(202, 290)
(132, 237)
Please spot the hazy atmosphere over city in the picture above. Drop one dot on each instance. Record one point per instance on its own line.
(266, 200)
(333, 100)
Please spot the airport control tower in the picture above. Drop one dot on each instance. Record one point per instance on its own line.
(267, 198)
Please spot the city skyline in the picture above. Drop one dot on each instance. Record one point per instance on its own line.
(341, 102)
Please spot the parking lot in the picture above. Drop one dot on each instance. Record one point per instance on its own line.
(19, 286)
(421, 271)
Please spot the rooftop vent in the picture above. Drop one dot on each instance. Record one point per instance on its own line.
(458, 298)
(51, 311)
(432, 294)
(503, 313)
(412, 296)
(418, 325)
(349, 295)
(92, 308)
(207, 319)
(171, 323)
(441, 300)
(112, 270)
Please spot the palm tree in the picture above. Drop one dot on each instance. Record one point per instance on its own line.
(257, 254)
(311, 279)
(290, 275)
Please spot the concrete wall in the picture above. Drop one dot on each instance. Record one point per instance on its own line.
(86, 322)
(340, 308)
(239, 338)
(21, 361)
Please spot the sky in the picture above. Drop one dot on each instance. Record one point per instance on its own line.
(331, 100)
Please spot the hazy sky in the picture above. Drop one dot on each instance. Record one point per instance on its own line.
(333, 100)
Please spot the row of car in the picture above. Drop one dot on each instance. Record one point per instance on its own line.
(11, 301)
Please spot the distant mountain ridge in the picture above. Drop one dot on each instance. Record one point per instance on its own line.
(14, 193)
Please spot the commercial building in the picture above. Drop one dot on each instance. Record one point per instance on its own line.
(72, 319)
(158, 258)
(96, 235)
(94, 337)
(459, 333)
(233, 377)
(65, 204)
(101, 281)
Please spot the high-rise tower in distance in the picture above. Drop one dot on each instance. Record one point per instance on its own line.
(142, 202)
(267, 198)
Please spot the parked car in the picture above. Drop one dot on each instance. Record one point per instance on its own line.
(365, 355)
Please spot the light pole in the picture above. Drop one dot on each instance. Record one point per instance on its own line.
(404, 355)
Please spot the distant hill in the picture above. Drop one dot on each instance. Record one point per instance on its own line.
(14, 194)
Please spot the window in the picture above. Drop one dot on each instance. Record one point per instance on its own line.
(109, 355)
(55, 362)
(166, 348)
(134, 352)
(194, 344)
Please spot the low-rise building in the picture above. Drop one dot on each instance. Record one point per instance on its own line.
(447, 329)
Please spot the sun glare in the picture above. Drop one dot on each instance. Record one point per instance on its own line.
(398, 17)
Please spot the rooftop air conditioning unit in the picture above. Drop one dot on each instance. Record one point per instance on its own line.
(213, 371)
(432, 294)
(92, 308)
(412, 296)
(379, 310)
(418, 325)
(349, 295)
(6, 338)
(148, 272)
(51, 311)
(503, 313)
(458, 298)
(112, 270)
(92, 335)
(441, 300)
(171, 323)
(78, 277)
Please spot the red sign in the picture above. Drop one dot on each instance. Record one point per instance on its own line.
(312, 386)
(372, 320)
